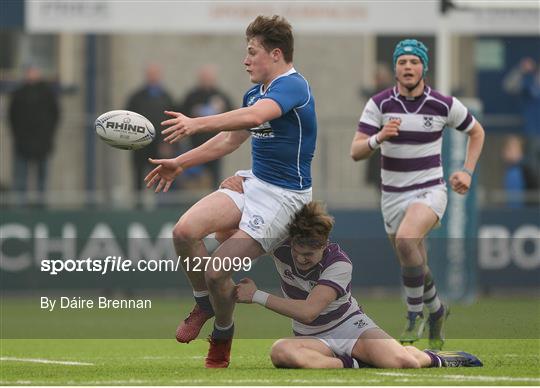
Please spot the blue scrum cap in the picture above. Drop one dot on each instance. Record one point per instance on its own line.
(412, 47)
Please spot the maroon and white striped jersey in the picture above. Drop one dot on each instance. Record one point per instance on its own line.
(334, 270)
(412, 160)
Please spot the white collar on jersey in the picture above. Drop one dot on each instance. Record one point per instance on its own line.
(427, 93)
(291, 71)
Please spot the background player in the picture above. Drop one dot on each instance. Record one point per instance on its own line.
(406, 121)
(331, 329)
(279, 115)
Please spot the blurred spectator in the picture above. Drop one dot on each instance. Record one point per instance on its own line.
(384, 79)
(34, 113)
(524, 81)
(519, 178)
(150, 101)
(206, 99)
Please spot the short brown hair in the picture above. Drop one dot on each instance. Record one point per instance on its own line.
(273, 32)
(311, 226)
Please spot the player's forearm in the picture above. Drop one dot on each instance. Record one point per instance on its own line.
(243, 118)
(213, 149)
(474, 147)
(299, 310)
(360, 149)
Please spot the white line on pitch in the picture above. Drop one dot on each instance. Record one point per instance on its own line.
(274, 381)
(459, 377)
(215, 382)
(130, 382)
(44, 361)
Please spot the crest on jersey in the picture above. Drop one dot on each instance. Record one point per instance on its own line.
(251, 100)
(428, 122)
(312, 284)
(288, 274)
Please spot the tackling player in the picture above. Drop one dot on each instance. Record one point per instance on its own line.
(331, 329)
(407, 121)
(278, 114)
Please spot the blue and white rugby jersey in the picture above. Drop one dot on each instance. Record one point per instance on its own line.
(282, 149)
(334, 270)
(412, 160)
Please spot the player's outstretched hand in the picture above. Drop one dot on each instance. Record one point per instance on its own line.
(178, 127)
(234, 183)
(460, 182)
(390, 129)
(163, 174)
(244, 290)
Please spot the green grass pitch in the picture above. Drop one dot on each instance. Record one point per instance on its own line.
(504, 333)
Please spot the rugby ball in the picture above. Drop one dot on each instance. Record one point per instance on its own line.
(125, 129)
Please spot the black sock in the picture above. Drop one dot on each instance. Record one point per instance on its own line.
(223, 334)
(204, 304)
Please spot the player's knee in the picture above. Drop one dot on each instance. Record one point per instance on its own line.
(223, 236)
(215, 278)
(405, 246)
(281, 354)
(184, 232)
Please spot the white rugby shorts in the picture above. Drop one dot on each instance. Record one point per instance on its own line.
(395, 205)
(342, 338)
(266, 209)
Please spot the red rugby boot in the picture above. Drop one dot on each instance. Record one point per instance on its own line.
(219, 354)
(190, 327)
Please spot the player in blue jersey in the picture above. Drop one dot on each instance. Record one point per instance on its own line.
(278, 114)
(330, 328)
(407, 123)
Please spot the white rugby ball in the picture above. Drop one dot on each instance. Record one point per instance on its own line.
(125, 129)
